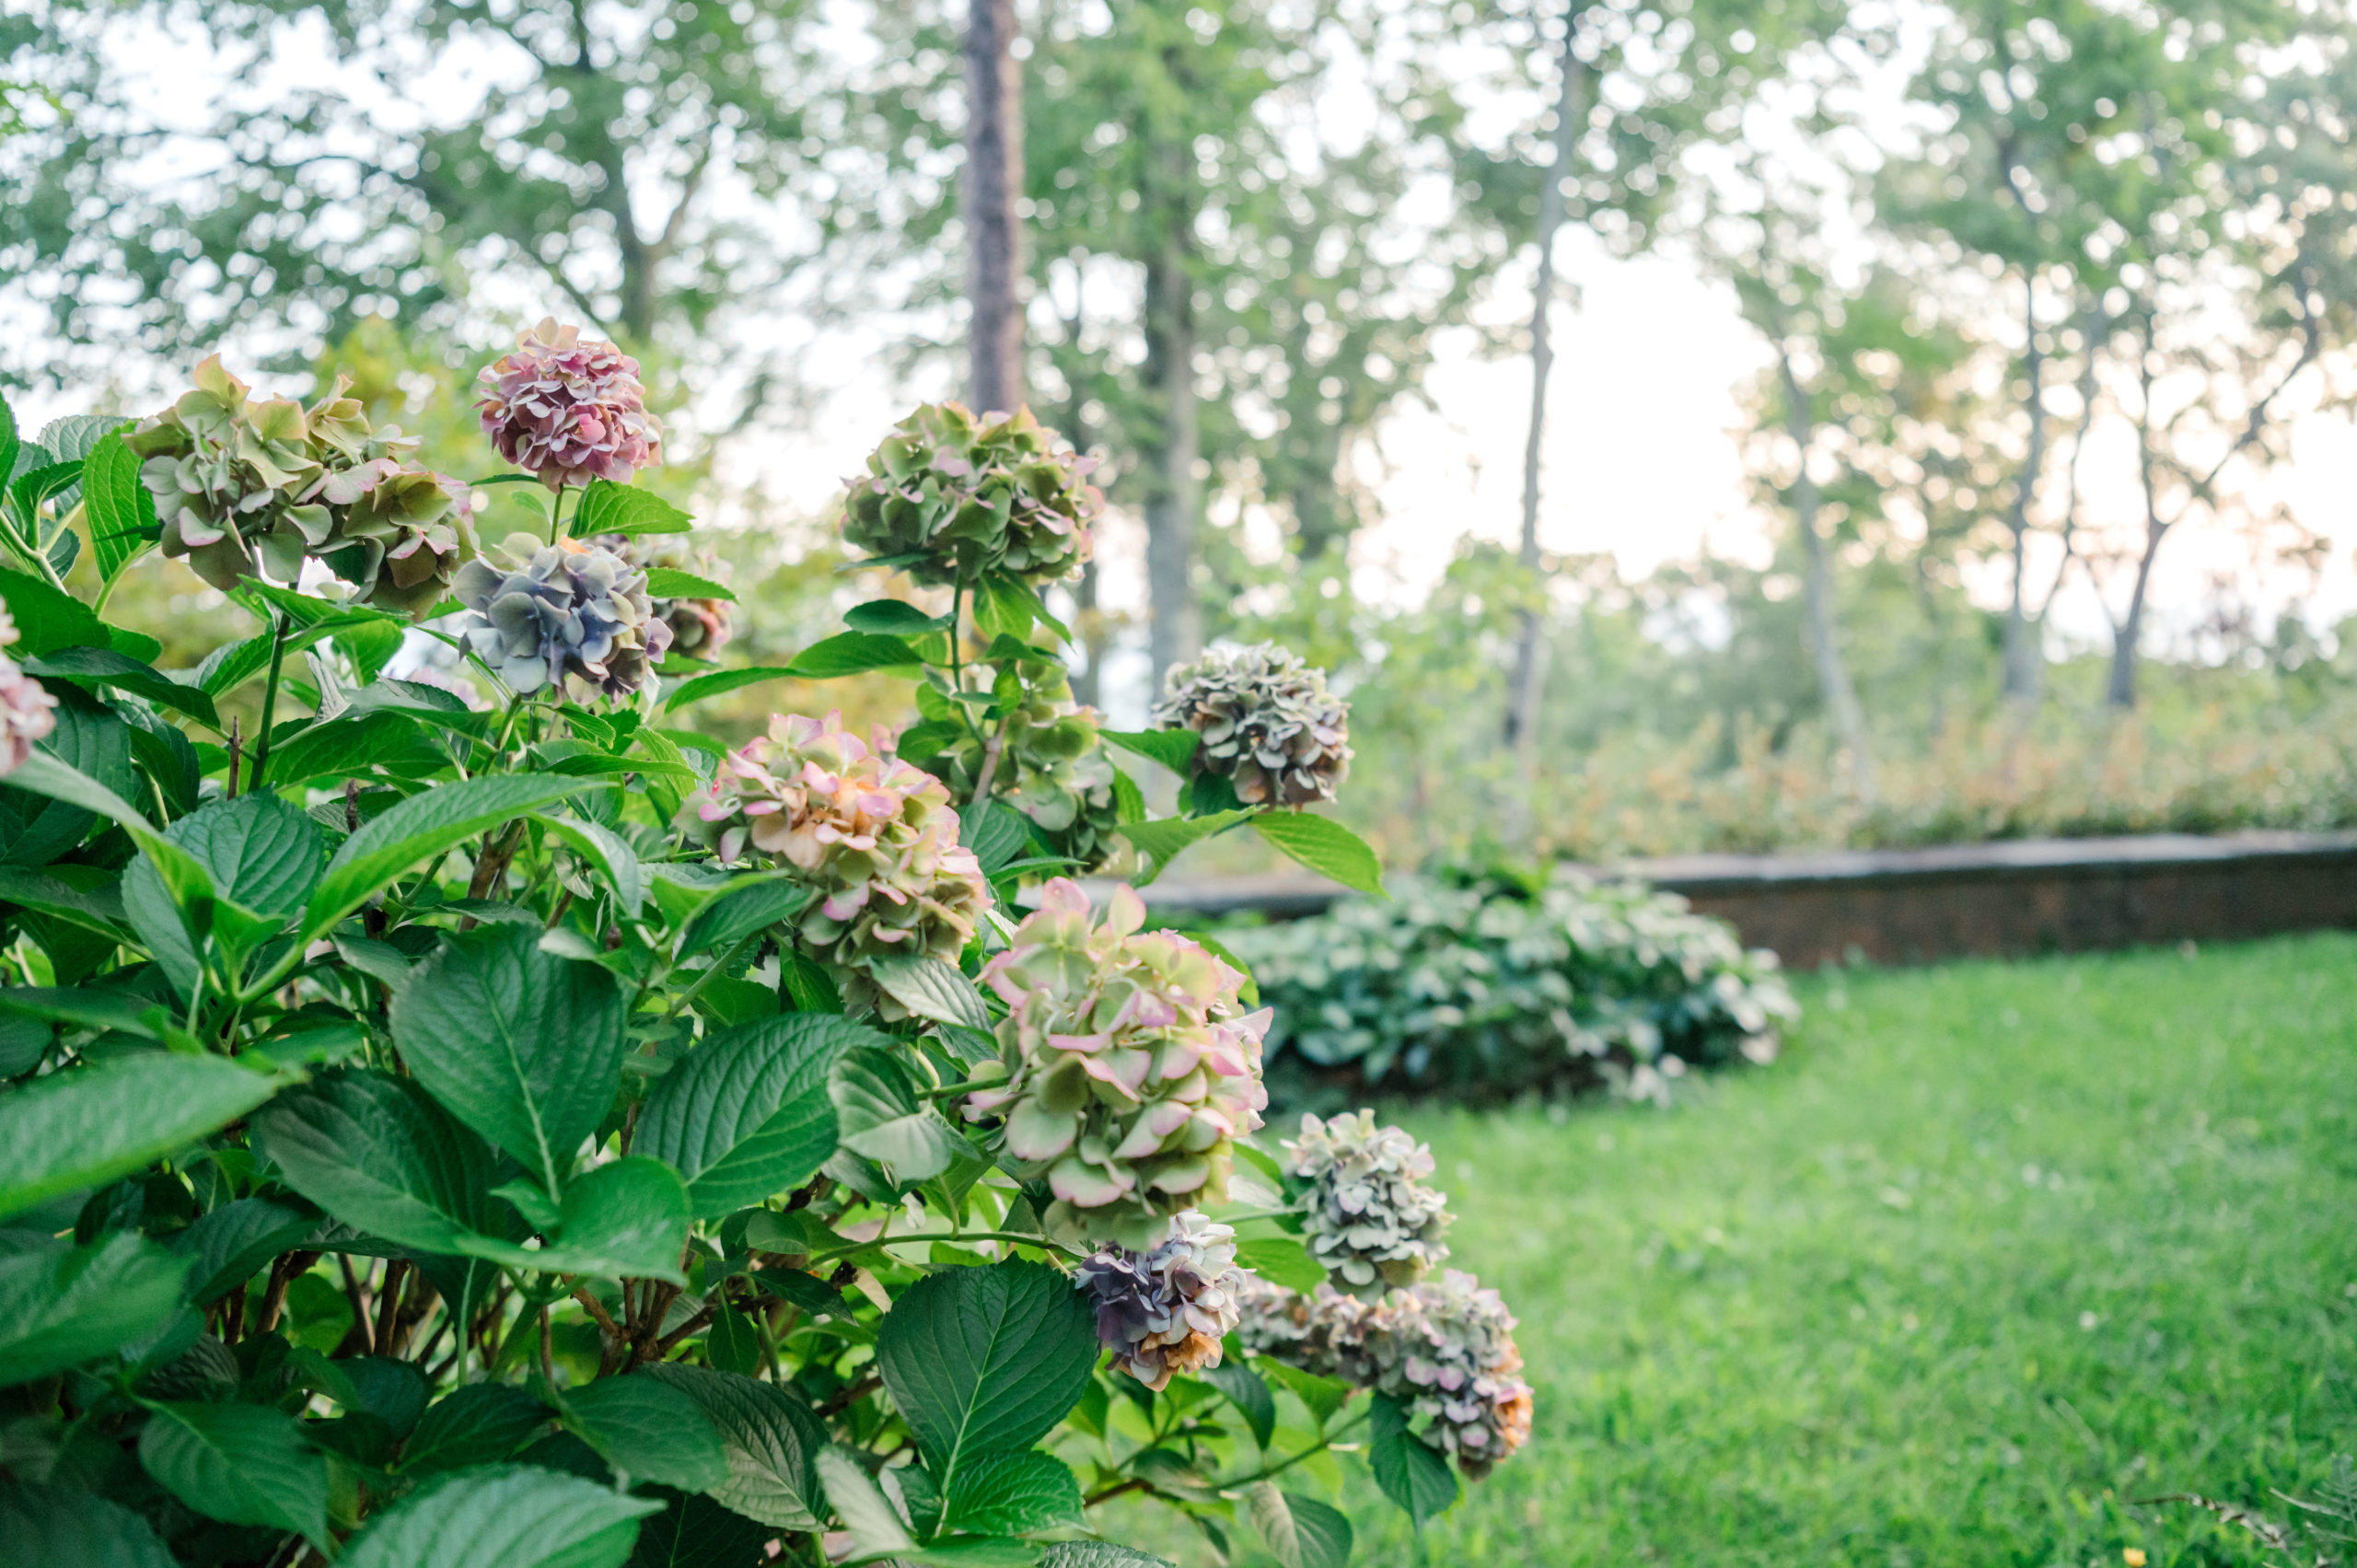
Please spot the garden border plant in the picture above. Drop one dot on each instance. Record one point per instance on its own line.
(447, 1129)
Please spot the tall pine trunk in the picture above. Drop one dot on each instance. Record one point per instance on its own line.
(1530, 644)
(993, 187)
(1832, 675)
(2022, 655)
(1173, 494)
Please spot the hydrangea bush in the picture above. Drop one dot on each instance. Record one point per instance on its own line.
(1487, 986)
(490, 1123)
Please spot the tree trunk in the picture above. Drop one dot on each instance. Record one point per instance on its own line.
(993, 188)
(2023, 654)
(1832, 675)
(1173, 494)
(2122, 691)
(1530, 644)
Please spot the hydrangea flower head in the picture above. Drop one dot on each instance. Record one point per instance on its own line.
(568, 409)
(1366, 1215)
(873, 836)
(1129, 1065)
(700, 627)
(1444, 1349)
(28, 712)
(1165, 1310)
(1265, 720)
(567, 616)
(948, 497)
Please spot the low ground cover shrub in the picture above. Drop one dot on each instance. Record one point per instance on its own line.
(483, 1122)
(1485, 985)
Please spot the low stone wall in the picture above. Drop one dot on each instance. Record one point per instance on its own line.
(2018, 897)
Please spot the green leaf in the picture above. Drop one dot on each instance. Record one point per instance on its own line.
(522, 1046)
(1174, 749)
(480, 1423)
(62, 1305)
(975, 1552)
(1167, 839)
(240, 1464)
(608, 507)
(665, 582)
(88, 1125)
(354, 745)
(1323, 1532)
(1321, 1396)
(625, 1219)
(874, 1525)
(732, 916)
(121, 509)
(720, 682)
(1248, 1394)
(418, 829)
(1410, 1474)
(228, 1244)
(932, 988)
(1282, 1260)
(10, 441)
(1325, 847)
(649, 1429)
(1099, 1554)
(1129, 801)
(747, 1114)
(375, 1152)
(78, 771)
(985, 1360)
(853, 653)
(104, 666)
(44, 1525)
(893, 617)
(82, 895)
(806, 1291)
(48, 618)
(506, 1516)
(609, 853)
(733, 1343)
(87, 1006)
(693, 1531)
(1017, 1493)
(256, 852)
(995, 833)
(878, 1117)
(772, 1441)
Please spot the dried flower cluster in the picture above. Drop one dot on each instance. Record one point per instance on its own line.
(1366, 1213)
(1129, 1067)
(700, 627)
(1052, 767)
(568, 409)
(1444, 1349)
(28, 712)
(1165, 1310)
(951, 498)
(246, 486)
(567, 616)
(1266, 722)
(873, 836)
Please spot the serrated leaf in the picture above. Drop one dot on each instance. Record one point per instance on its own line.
(1099, 1554)
(240, 1464)
(693, 1531)
(649, 1428)
(772, 1441)
(606, 850)
(45, 1525)
(627, 1218)
(1248, 1394)
(1410, 1474)
(874, 1524)
(48, 618)
(1321, 1396)
(879, 1117)
(995, 833)
(1018, 1493)
(121, 511)
(522, 1046)
(732, 916)
(985, 1360)
(357, 745)
(1321, 1532)
(1282, 1260)
(1325, 847)
(1166, 840)
(104, 666)
(62, 1305)
(511, 1517)
(480, 1423)
(377, 1153)
(228, 1244)
(932, 988)
(666, 582)
(720, 682)
(419, 827)
(747, 1114)
(892, 618)
(90, 1124)
(608, 507)
(853, 653)
(1174, 749)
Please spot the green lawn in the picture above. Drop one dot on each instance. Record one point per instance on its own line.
(1994, 1252)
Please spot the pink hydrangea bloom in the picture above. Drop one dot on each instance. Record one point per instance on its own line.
(568, 409)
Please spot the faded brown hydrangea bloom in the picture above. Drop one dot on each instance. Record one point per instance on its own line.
(1266, 721)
